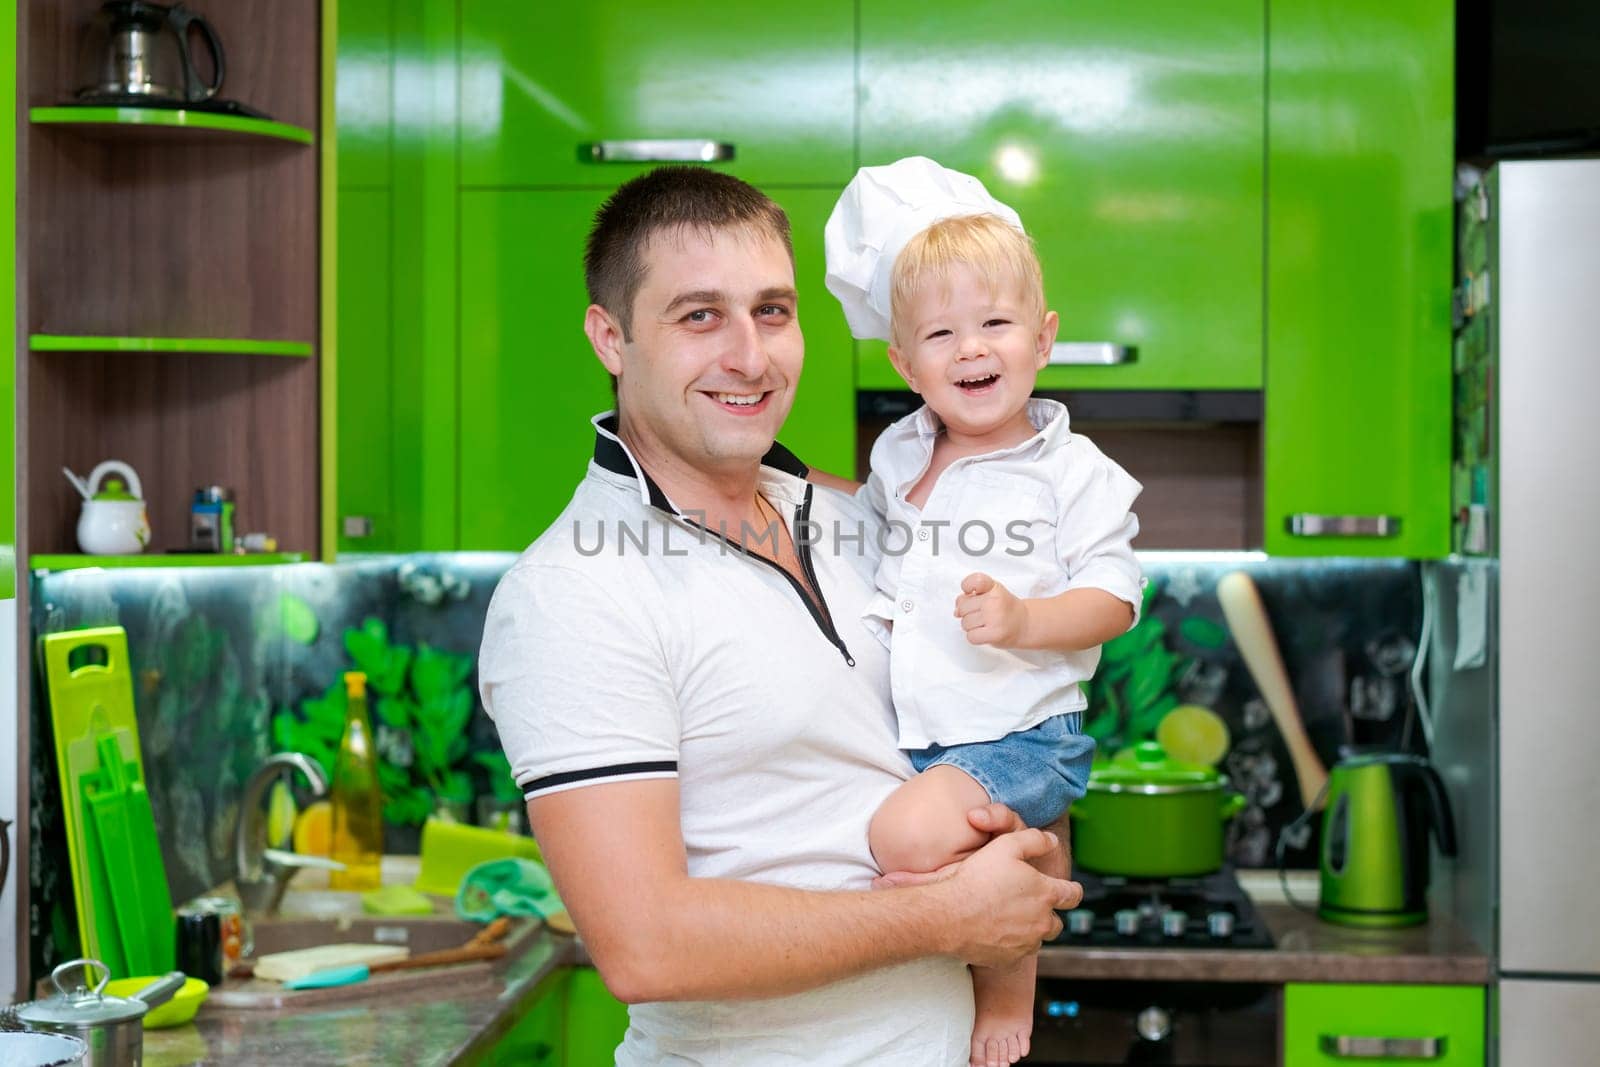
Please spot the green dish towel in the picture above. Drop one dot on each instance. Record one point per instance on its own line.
(507, 887)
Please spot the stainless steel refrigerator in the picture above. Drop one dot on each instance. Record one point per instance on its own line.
(1515, 653)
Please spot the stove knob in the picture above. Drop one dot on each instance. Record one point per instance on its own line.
(1174, 923)
(1127, 921)
(1080, 921)
(1153, 1024)
(1219, 924)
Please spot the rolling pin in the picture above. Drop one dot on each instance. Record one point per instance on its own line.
(1252, 633)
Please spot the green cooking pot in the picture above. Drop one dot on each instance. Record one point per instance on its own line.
(1147, 815)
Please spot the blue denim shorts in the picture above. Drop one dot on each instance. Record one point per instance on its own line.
(1036, 773)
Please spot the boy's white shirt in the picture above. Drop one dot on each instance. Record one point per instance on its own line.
(1055, 491)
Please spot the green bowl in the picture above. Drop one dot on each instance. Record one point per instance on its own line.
(175, 1012)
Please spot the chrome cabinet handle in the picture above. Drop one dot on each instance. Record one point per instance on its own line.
(1089, 354)
(682, 150)
(1382, 1048)
(1305, 525)
(357, 526)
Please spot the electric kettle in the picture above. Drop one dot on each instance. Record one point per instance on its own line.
(139, 52)
(1381, 809)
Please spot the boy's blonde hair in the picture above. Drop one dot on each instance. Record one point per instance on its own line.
(998, 251)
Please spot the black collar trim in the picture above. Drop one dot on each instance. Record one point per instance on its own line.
(611, 455)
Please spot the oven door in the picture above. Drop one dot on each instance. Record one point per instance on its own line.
(1184, 1024)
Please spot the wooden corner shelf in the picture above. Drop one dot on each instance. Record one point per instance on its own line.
(174, 286)
(153, 122)
(50, 342)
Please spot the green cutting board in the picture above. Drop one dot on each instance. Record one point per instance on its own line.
(121, 832)
(91, 693)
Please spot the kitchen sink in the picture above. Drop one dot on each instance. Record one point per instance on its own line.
(311, 915)
(418, 933)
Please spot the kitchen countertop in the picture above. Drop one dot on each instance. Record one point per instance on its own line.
(1306, 949)
(422, 1026)
(451, 1023)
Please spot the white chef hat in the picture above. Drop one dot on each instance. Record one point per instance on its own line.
(877, 214)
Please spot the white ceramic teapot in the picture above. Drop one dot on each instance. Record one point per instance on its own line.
(113, 522)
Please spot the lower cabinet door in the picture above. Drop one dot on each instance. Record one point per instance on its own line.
(596, 1021)
(1383, 1024)
(538, 1038)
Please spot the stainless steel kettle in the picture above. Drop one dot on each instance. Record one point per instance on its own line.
(139, 52)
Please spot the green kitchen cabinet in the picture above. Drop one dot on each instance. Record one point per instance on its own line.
(366, 507)
(541, 84)
(365, 55)
(365, 425)
(1356, 439)
(1130, 140)
(574, 1021)
(539, 1036)
(397, 407)
(1442, 1026)
(596, 1021)
(532, 382)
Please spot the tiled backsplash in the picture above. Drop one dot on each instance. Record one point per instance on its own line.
(219, 654)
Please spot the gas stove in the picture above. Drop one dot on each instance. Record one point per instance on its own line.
(1210, 911)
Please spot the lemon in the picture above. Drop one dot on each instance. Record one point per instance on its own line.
(1194, 734)
(280, 814)
(313, 830)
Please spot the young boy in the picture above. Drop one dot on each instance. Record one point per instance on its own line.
(1008, 557)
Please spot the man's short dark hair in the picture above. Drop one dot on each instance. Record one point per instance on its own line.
(666, 199)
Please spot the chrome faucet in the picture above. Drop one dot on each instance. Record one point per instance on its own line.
(264, 873)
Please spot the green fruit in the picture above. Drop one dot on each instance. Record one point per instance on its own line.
(281, 811)
(1193, 734)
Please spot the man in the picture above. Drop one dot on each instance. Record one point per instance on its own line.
(700, 724)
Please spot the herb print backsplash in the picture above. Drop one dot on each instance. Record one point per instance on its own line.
(232, 664)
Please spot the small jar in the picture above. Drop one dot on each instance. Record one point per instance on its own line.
(211, 520)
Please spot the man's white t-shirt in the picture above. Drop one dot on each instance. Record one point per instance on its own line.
(627, 643)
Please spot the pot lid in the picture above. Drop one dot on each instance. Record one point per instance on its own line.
(1147, 763)
(81, 1006)
(115, 489)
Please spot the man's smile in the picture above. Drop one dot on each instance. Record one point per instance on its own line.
(741, 403)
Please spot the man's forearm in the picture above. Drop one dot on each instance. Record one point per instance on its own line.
(719, 939)
(1074, 620)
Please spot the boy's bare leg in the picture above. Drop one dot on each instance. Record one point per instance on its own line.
(1003, 1030)
(923, 826)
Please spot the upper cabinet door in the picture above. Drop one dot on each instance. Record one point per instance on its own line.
(1129, 137)
(545, 88)
(1357, 430)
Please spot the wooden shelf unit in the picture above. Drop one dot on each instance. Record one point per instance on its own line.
(154, 236)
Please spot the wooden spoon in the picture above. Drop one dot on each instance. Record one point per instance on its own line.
(1252, 633)
(484, 946)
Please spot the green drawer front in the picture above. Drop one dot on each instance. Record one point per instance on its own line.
(540, 80)
(1129, 137)
(1443, 1026)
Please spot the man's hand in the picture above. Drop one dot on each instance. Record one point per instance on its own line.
(1001, 907)
(990, 613)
